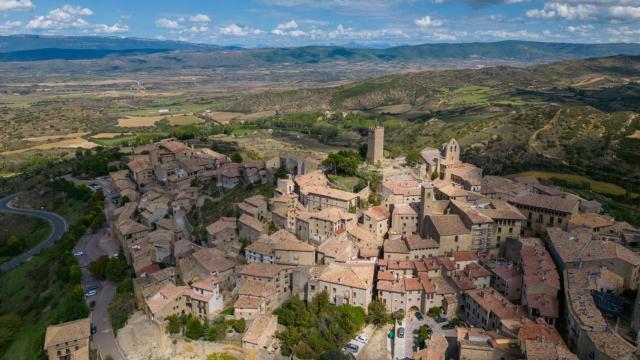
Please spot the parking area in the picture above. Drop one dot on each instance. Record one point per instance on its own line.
(405, 347)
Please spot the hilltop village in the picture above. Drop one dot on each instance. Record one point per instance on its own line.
(506, 262)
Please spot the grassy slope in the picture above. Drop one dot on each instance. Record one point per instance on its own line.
(28, 229)
(31, 289)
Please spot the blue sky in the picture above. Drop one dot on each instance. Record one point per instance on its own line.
(254, 23)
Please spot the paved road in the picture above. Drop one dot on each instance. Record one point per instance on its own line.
(94, 246)
(58, 224)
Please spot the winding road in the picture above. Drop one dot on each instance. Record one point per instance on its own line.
(58, 224)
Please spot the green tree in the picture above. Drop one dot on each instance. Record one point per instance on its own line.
(239, 325)
(377, 313)
(435, 175)
(336, 354)
(221, 356)
(236, 157)
(173, 324)
(98, 267)
(116, 269)
(435, 311)
(194, 329)
(412, 157)
(282, 172)
(9, 325)
(423, 336)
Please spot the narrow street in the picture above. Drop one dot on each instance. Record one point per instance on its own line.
(94, 246)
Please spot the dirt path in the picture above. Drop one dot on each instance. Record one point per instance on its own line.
(376, 349)
(533, 140)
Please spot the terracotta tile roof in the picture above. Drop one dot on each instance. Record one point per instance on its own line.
(256, 201)
(338, 248)
(248, 302)
(291, 243)
(360, 233)
(386, 275)
(333, 215)
(475, 271)
(417, 242)
(256, 288)
(167, 224)
(129, 226)
(263, 270)
(139, 164)
(206, 284)
(540, 330)
(404, 209)
(256, 330)
(543, 350)
(251, 222)
(66, 332)
(447, 225)
(224, 223)
(213, 260)
(175, 146)
(368, 251)
(378, 213)
(314, 177)
(356, 276)
(395, 246)
(328, 192)
(611, 344)
(591, 221)
(446, 263)
(450, 189)
(546, 202)
(546, 305)
(403, 187)
(493, 301)
(464, 256)
(165, 296)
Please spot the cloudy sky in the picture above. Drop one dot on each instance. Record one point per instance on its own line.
(305, 22)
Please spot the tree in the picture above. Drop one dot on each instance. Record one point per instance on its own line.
(173, 324)
(236, 157)
(116, 269)
(398, 315)
(435, 311)
(377, 313)
(98, 267)
(412, 158)
(282, 172)
(435, 175)
(239, 325)
(272, 228)
(343, 162)
(221, 356)
(125, 199)
(9, 325)
(336, 354)
(423, 336)
(194, 329)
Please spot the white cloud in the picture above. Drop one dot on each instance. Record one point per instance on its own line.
(10, 27)
(116, 28)
(168, 24)
(16, 5)
(199, 18)
(238, 30)
(427, 21)
(65, 17)
(288, 28)
(595, 10)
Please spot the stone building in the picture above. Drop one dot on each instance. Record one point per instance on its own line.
(375, 145)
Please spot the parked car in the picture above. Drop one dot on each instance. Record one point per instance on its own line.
(441, 320)
(95, 186)
(90, 293)
(400, 332)
(362, 338)
(114, 201)
(353, 348)
(94, 329)
(419, 316)
(92, 304)
(448, 326)
(78, 253)
(91, 287)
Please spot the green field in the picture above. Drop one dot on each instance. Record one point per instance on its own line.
(346, 183)
(596, 186)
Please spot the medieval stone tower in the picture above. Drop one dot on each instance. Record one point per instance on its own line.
(427, 200)
(375, 145)
(452, 152)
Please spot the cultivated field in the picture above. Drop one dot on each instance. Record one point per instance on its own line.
(597, 186)
(67, 143)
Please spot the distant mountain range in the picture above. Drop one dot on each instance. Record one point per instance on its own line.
(38, 48)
